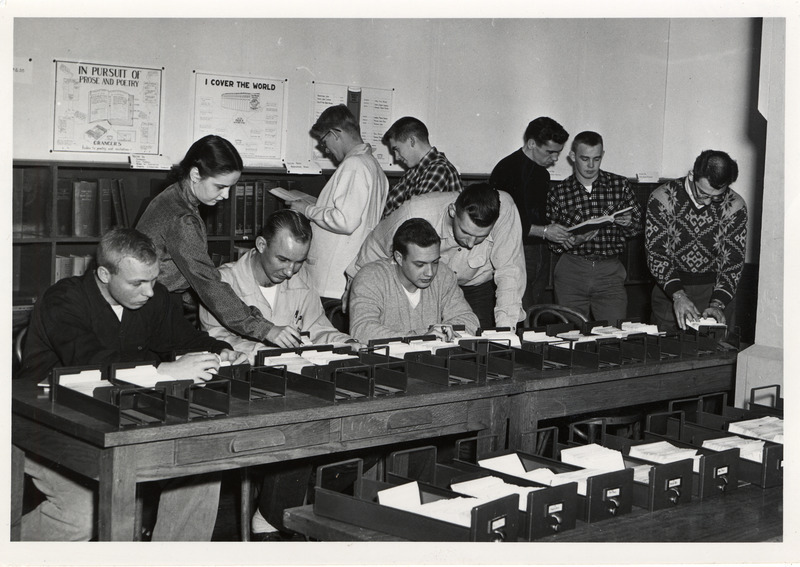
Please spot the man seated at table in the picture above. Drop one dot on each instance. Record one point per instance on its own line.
(481, 241)
(117, 313)
(411, 293)
(271, 277)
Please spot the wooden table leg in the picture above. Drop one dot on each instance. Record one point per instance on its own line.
(117, 495)
(522, 423)
(17, 487)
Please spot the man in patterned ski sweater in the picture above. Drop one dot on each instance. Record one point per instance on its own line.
(695, 235)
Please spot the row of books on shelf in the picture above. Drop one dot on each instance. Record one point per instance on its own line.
(252, 203)
(90, 207)
(31, 189)
(84, 207)
(71, 265)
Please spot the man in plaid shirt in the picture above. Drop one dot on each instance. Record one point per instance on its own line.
(589, 275)
(428, 169)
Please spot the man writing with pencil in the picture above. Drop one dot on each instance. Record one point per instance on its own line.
(589, 275)
(270, 278)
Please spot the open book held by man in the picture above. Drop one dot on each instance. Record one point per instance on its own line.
(597, 222)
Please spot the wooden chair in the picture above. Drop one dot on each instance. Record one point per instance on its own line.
(562, 313)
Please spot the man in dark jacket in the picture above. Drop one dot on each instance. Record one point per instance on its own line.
(117, 313)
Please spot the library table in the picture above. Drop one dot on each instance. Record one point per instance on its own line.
(560, 393)
(298, 425)
(254, 433)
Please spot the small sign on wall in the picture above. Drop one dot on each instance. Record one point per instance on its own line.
(23, 70)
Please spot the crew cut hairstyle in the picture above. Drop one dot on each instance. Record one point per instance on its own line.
(414, 231)
(718, 167)
(119, 243)
(481, 202)
(587, 138)
(405, 127)
(297, 225)
(212, 155)
(336, 117)
(544, 129)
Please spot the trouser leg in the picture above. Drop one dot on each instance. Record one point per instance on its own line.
(68, 511)
(537, 266)
(570, 280)
(187, 509)
(609, 300)
(284, 486)
(482, 299)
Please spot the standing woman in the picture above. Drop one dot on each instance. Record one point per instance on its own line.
(211, 167)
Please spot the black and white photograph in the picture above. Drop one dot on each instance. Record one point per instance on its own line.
(360, 283)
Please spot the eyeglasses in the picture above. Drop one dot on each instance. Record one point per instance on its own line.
(703, 196)
(322, 143)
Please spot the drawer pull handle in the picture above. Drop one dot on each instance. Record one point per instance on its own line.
(265, 441)
(410, 419)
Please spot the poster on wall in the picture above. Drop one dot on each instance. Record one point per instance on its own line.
(248, 111)
(107, 108)
(372, 107)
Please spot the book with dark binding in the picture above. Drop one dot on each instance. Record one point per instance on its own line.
(64, 207)
(105, 206)
(239, 209)
(118, 205)
(249, 208)
(84, 208)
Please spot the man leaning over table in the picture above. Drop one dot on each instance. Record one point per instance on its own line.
(695, 237)
(117, 313)
(481, 243)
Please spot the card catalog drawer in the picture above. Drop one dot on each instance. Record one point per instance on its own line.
(411, 419)
(254, 441)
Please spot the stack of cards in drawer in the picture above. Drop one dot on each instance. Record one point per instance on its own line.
(768, 428)
(596, 458)
(750, 449)
(406, 497)
(492, 488)
(665, 452)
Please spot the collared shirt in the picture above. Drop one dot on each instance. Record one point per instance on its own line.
(433, 173)
(499, 256)
(74, 325)
(172, 220)
(569, 203)
(684, 240)
(347, 209)
(295, 303)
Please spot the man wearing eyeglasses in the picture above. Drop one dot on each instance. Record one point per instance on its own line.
(348, 207)
(695, 235)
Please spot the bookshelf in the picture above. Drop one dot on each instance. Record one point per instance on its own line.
(44, 234)
(60, 209)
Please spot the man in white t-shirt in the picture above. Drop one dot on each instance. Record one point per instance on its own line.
(411, 293)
